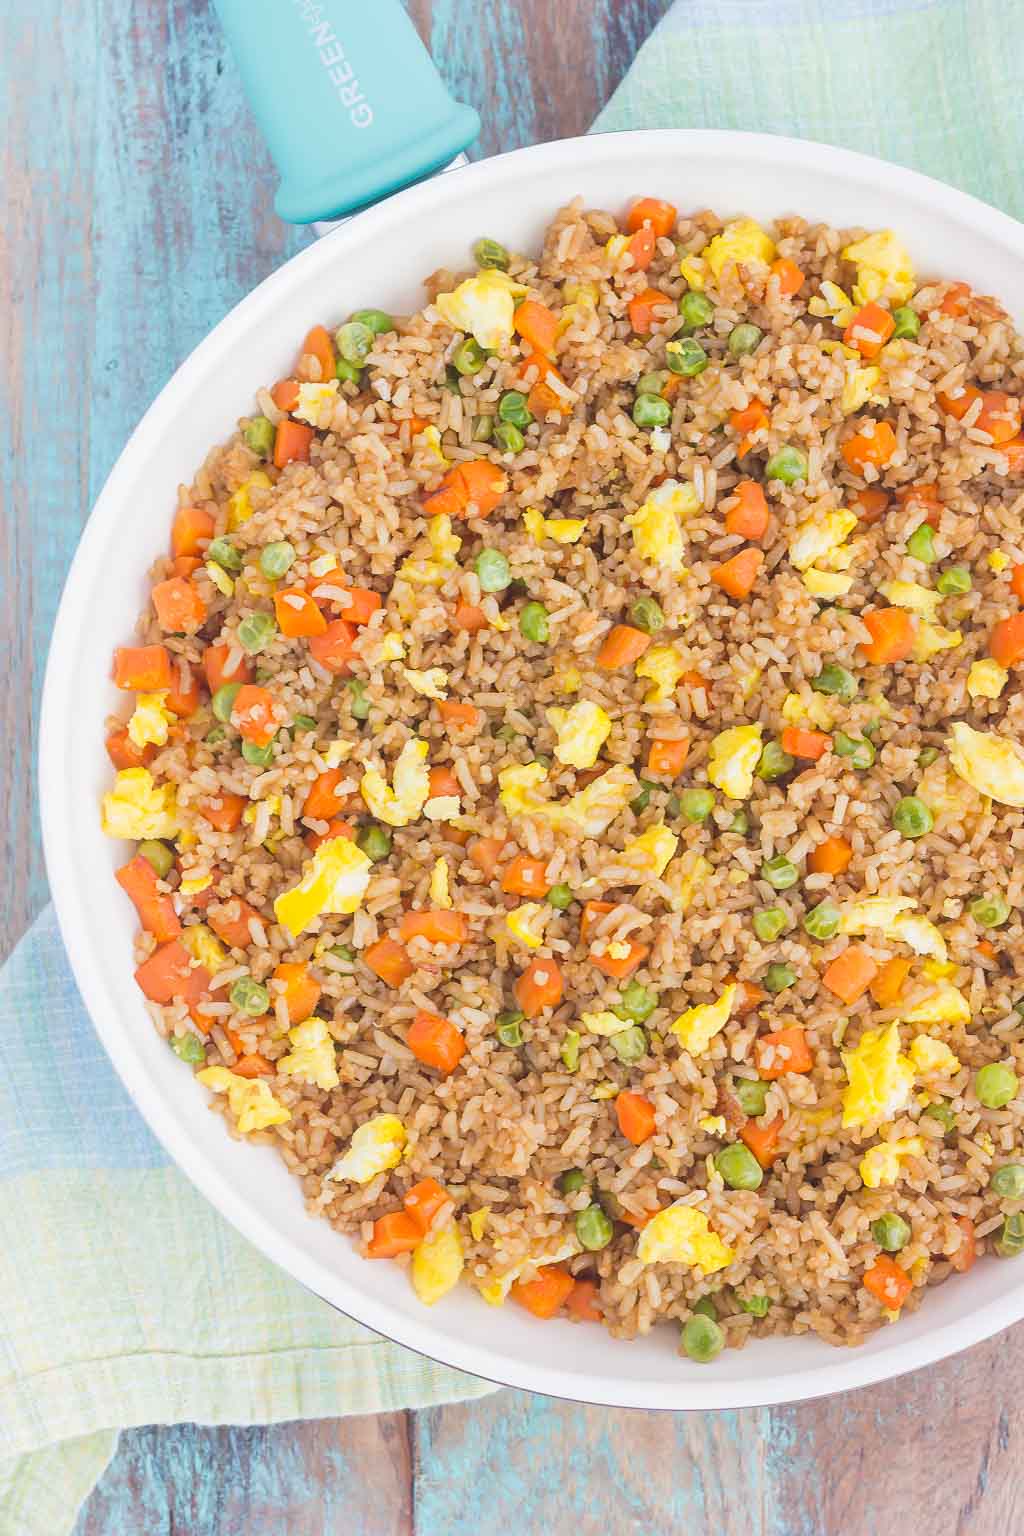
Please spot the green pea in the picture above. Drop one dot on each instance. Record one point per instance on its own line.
(636, 1002)
(354, 341)
(652, 383)
(696, 805)
(259, 757)
(350, 373)
(908, 323)
(995, 1085)
(1010, 1241)
(223, 553)
(512, 407)
(740, 824)
(890, 1232)
(492, 570)
(560, 896)
(452, 379)
(375, 841)
(954, 581)
(779, 872)
(739, 1167)
(217, 734)
(468, 357)
(696, 310)
(787, 464)
(927, 756)
(259, 435)
(858, 748)
(871, 729)
(769, 923)
(249, 996)
(629, 1044)
(1018, 1007)
(686, 357)
(483, 429)
(703, 1339)
(778, 977)
(651, 411)
(911, 817)
(508, 1017)
(508, 436)
(303, 724)
(223, 701)
(359, 704)
(256, 631)
(571, 1181)
(647, 614)
(378, 321)
(1008, 1181)
(640, 802)
(822, 921)
(488, 253)
(921, 544)
(836, 680)
(533, 623)
(510, 1034)
(570, 1050)
(188, 1047)
(276, 558)
(343, 952)
(941, 1112)
(744, 339)
(774, 761)
(705, 1307)
(757, 1306)
(751, 1095)
(989, 911)
(593, 1228)
(157, 855)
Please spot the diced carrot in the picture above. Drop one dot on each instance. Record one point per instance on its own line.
(782, 1051)
(252, 1064)
(224, 811)
(622, 646)
(475, 484)
(537, 325)
(999, 416)
(190, 530)
(620, 966)
(789, 276)
(763, 1140)
(636, 1116)
(955, 301)
(234, 1038)
(749, 997)
(123, 752)
(285, 394)
(869, 330)
(334, 647)
(457, 715)
(963, 1259)
(436, 1041)
(659, 215)
(436, 925)
(581, 1304)
(442, 781)
(1006, 641)
(876, 447)
(850, 974)
(185, 565)
(360, 604)
(301, 990)
(641, 309)
(179, 608)
(637, 1222)
(138, 879)
(1017, 582)
(668, 757)
(832, 857)
(469, 618)
(389, 960)
(543, 397)
(545, 1295)
(298, 616)
(642, 247)
(892, 635)
(144, 668)
(807, 744)
(539, 987)
(924, 493)
(393, 1234)
(753, 418)
(526, 877)
(1014, 451)
(458, 835)
(321, 803)
(888, 1283)
(986, 948)
(169, 973)
(252, 714)
(215, 665)
(230, 921)
(887, 987)
(485, 853)
(959, 404)
(737, 576)
(869, 504)
(695, 680)
(200, 900)
(592, 912)
(423, 1201)
(291, 443)
(183, 702)
(314, 840)
(318, 344)
(748, 515)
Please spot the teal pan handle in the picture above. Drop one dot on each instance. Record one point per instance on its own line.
(347, 97)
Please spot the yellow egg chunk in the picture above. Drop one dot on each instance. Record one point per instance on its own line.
(862, 387)
(826, 584)
(819, 536)
(815, 710)
(664, 666)
(376, 1146)
(895, 917)
(681, 1234)
(478, 1222)
(697, 1027)
(317, 402)
(527, 923)
(333, 881)
(431, 684)
(648, 856)
(312, 1060)
(883, 1164)
(249, 1099)
(945, 1005)
(563, 530)
(138, 808)
(495, 1291)
(929, 639)
(657, 533)
(516, 786)
(986, 679)
(884, 269)
(205, 950)
(604, 1023)
(437, 1263)
(440, 884)
(150, 720)
(399, 805)
(879, 1079)
(443, 542)
(240, 504)
(734, 756)
(742, 241)
(991, 764)
(933, 1057)
(484, 306)
(581, 732)
(684, 877)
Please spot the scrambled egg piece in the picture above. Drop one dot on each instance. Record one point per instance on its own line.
(861, 388)
(834, 301)
(392, 647)
(194, 886)
(240, 504)
(431, 684)
(495, 1291)
(648, 856)
(816, 709)
(437, 1263)
(991, 764)
(150, 720)
(582, 731)
(615, 248)
(204, 948)
(478, 1222)
(568, 678)
(527, 923)
(444, 546)
(516, 786)
(714, 1125)
(220, 578)
(986, 679)
(884, 269)
(734, 756)
(883, 1164)
(333, 880)
(894, 916)
(484, 306)
(603, 1023)
(657, 534)
(441, 808)
(681, 1234)
(432, 437)
(564, 530)
(403, 803)
(249, 1099)
(317, 402)
(997, 561)
(827, 584)
(684, 876)
(697, 1027)
(946, 1005)
(741, 241)
(748, 679)
(443, 542)
(933, 1056)
(818, 537)
(376, 1146)
(591, 810)
(313, 1059)
(911, 595)
(932, 638)
(137, 808)
(664, 666)
(440, 884)
(337, 752)
(879, 1079)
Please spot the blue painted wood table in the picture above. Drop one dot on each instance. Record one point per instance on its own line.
(137, 211)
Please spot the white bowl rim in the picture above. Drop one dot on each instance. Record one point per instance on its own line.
(847, 1369)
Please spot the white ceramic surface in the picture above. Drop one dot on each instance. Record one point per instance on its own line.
(379, 258)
